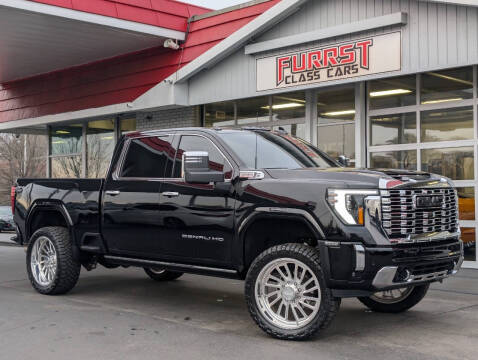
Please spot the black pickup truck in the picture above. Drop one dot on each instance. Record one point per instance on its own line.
(301, 230)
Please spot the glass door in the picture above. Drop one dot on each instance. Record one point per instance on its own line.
(336, 122)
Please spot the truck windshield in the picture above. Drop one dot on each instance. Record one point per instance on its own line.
(272, 150)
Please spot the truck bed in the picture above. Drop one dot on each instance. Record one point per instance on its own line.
(79, 199)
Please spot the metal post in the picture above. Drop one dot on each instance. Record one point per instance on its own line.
(84, 157)
(360, 125)
(311, 116)
(48, 153)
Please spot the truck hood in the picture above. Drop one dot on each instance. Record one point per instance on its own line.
(360, 178)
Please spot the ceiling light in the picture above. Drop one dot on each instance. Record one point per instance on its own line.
(390, 92)
(451, 78)
(61, 132)
(107, 138)
(441, 101)
(283, 106)
(338, 113)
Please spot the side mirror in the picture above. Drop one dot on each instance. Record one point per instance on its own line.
(196, 168)
(343, 160)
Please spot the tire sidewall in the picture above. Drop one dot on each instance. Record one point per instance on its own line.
(263, 322)
(60, 238)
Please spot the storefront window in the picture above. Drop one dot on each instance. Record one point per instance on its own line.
(66, 140)
(394, 160)
(66, 167)
(289, 106)
(100, 145)
(253, 111)
(455, 163)
(468, 235)
(446, 125)
(394, 92)
(466, 203)
(336, 122)
(394, 129)
(219, 114)
(445, 86)
(127, 125)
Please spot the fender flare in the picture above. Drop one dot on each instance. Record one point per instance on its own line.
(40, 205)
(270, 212)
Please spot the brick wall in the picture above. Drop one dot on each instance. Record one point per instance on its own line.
(173, 118)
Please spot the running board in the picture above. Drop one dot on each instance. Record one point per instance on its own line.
(195, 269)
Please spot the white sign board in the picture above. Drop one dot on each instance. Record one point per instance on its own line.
(372, 55)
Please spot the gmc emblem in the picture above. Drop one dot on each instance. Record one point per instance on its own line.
(427, 201)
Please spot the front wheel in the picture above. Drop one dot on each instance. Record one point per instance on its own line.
(286, 292)
(51, 264)
(396, 300)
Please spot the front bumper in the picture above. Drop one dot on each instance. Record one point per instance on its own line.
(354, 267)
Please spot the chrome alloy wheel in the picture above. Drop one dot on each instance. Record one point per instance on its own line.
(157, 271)
(43, 261)
(392, 296)
(288, 294)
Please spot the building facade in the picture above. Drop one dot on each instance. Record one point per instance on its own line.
(387, 83)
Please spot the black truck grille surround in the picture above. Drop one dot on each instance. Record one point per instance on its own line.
(405, 215)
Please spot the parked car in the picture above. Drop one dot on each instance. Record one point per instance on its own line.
(6, 219)
(271, 209)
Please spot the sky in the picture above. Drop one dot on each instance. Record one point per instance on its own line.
(215, 4)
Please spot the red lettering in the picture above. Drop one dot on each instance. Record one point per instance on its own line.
(330, 57)
(314, 60)
(303, 64)
(282, 64)
(364, 47)
(347, 54)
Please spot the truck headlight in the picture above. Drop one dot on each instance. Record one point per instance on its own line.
(349, 204)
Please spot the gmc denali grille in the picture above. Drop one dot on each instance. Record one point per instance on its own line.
(418, 211)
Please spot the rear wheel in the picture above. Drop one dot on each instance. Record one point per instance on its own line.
(51, 265)
(161, 274)
(286, 292)
(396, 300)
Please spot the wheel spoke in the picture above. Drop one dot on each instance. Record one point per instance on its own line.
(302, 302)
(284, 276)
(294, 313)
(311, 289)
(275, 301)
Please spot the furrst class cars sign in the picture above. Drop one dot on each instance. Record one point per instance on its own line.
(373, 55)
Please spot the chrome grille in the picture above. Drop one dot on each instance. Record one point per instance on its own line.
(401, 217)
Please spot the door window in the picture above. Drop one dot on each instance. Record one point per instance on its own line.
(149, 157)
(217, 161)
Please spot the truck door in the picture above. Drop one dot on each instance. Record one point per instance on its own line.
(198, 219)
(131, 218)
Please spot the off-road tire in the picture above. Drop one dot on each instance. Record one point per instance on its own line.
(68, 267)
(417, 294)
(165, 275)
(329, 305)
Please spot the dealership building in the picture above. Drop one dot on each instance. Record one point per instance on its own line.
(387, 83)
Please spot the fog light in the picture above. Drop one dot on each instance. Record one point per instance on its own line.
(402, 275)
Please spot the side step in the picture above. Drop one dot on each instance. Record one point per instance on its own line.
(194, 269)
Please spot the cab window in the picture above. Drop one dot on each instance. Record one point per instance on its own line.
(217, 161)
(148, 157)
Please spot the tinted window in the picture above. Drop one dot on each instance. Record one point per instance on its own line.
(268, 150)
(217, 162)
(149, 157)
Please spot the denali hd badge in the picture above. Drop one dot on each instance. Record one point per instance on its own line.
(427, 201)
(334, 62)
(202, 237)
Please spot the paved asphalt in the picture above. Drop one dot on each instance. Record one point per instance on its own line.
(122, 314)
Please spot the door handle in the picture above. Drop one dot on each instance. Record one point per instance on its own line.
(170, 194)
(113, 192)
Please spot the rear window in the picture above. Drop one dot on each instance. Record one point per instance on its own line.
(149, 157)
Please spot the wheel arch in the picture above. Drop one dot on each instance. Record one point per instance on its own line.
(47, 213)
(267, 227)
